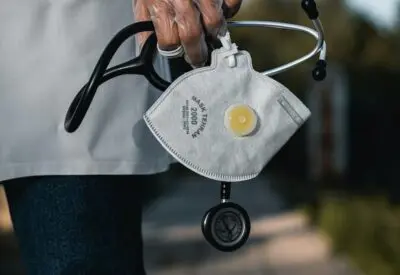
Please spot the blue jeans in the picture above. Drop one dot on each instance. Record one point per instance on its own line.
(78, 225)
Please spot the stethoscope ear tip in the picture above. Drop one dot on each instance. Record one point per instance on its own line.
(319, 73)
(310, 7)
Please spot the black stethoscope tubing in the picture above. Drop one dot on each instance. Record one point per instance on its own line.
(143, 64)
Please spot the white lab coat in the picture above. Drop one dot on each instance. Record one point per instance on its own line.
(48, 49)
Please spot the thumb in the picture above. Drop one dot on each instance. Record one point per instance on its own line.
(141, 13)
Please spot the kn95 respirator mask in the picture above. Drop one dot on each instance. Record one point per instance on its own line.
(225, 121)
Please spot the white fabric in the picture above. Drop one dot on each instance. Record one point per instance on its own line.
(48, 50)
(208, 147)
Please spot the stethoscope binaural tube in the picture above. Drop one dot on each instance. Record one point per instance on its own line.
(143, 64)
(318, 35)
(310, 8)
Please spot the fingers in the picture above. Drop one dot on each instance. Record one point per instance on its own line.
(190, 30)
(231, 7)
(180, 23)
(141, 14)
(212, 16)
(163, 17)
(177, 24)
(214, 13)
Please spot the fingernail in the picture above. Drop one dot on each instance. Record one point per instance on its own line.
(203, 55)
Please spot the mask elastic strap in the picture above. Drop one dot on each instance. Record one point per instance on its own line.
(231, 48)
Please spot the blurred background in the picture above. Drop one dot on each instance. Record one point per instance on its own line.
(328, 201)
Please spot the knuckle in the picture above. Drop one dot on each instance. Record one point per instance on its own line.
(183, 6)
(191, 35)
(168, 43)
(167, 39)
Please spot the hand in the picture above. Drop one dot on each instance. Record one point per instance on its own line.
(184, 23)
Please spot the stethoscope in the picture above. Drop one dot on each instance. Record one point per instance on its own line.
(227, 225)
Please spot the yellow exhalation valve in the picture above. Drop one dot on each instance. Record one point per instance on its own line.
(241, 120)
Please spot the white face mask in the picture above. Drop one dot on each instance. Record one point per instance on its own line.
(225, 122)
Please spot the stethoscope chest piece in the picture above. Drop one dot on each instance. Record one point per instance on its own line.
(226, 226)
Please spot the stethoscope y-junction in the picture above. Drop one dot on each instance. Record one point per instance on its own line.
(227, 225)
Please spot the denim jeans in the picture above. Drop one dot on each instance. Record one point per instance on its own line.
(73, 225)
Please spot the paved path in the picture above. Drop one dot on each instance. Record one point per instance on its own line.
(281, 242)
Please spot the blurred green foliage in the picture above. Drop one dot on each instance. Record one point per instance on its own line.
(365, 228)
(361, 223)
(352, 41)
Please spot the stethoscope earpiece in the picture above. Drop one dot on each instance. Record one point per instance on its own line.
(319, 73)
(310, 7)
